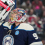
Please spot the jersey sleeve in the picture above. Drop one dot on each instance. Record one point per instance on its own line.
(33, 38)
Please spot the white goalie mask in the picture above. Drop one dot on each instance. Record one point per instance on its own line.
(5, 8)
(17, 15)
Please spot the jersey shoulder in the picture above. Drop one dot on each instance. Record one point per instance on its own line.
(25, 26)
(6, 24)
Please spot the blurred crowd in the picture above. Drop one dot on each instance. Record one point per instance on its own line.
(35, 15)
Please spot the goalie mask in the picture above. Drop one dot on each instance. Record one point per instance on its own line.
(17, 15)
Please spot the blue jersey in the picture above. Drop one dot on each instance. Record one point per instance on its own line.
(23, 34)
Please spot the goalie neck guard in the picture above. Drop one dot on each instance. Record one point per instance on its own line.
(17, 15)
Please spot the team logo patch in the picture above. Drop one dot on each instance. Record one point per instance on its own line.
(17, 33)
(8, 40)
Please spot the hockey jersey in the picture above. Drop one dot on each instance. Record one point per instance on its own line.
(23, 34)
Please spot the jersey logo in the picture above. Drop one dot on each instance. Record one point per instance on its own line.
(17, 33)
(8, 40)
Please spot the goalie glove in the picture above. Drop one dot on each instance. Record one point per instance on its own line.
(7, 5)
